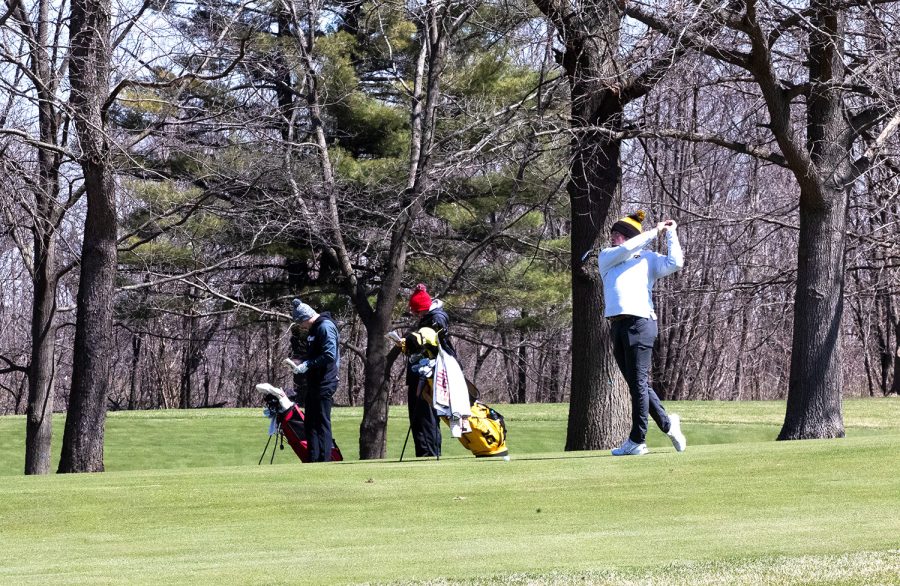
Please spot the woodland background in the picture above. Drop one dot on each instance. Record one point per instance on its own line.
(181, 170)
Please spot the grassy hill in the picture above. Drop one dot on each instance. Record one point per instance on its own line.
(185, 502)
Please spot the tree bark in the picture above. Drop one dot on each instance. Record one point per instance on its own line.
(521, 370)
(554, 387)
(600, 88)
(376, 399)
(134, 385)
(895, 385)
(42, 370)
(82, 449)
(598, 405)
(816, 381)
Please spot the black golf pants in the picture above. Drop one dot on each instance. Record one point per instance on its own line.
(633, 339)
(423, 422)
(318, 424)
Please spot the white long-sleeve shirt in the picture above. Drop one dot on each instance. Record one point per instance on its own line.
(629, 273)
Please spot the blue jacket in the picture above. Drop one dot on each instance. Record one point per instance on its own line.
(323, 355)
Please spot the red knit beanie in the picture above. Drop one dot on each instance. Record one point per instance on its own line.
(420, 300)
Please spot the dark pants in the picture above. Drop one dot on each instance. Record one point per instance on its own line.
(423, 423)
(633, 339)
(318, 424)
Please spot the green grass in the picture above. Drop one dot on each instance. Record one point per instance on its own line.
(185, 502)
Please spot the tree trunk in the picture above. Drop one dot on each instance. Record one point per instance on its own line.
(521, 370)
(41, 373)
(599, 408)
(373, 428)
(816, 381)
(895, 386)
(814, 393)
(134, 386)
(598, 405)
(42, 370)
(184, 386)
(377, 374)
(739, 363)
(554, 388)
(82, 449)
(190, 358)
(206, 383)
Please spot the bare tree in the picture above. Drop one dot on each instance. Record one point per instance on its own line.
(38, 33)
(602, 83)
(82, 449)
(822, 150)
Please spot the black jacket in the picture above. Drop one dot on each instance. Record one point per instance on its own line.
(438, 320)
(323, 355)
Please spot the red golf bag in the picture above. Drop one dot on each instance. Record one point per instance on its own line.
(290, 424)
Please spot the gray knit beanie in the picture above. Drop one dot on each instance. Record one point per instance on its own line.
(301, 311)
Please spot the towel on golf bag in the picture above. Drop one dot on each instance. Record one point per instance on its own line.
(290, 423)
(450, 393)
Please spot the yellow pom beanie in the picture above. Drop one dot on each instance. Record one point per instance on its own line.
(630, 225)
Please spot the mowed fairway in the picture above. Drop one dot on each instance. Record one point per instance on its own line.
(185, 502)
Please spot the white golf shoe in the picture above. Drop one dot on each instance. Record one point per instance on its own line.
(630, 448)
(675, 434)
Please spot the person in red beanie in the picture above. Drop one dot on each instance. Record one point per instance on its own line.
(423, 421)
(420, 300)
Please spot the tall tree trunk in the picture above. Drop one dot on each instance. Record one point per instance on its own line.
(521, 370)
(376, 399)
(816, 381)
(376, 395)
(598, 403)
(206, 383)
(895, 386)
(42, 369)
(600, 88)
(41, 373)
(554, 388)
(192, 353)
(598, 406)
(134, 385)
(82, 449)
(739, 363)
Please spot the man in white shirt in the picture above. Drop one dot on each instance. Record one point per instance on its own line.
(629, 273)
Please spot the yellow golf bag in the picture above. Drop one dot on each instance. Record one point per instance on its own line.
(488, 435)
(484, 433)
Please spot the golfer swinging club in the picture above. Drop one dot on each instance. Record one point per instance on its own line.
(628, 273)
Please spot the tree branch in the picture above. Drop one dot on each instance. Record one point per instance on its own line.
(125, 83)
(864, 163)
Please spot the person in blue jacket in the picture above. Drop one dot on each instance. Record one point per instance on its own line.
(629, 273)
(322, 365)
